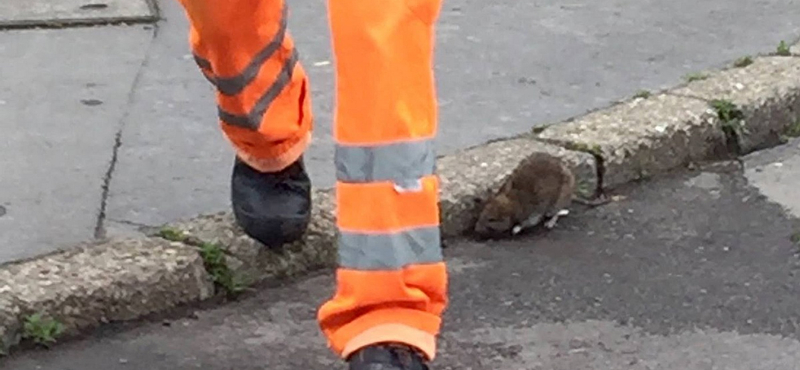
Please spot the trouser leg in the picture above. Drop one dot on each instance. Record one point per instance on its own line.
(391, 278)
(244, 49)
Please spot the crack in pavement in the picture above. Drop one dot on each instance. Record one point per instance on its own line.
(99, 229)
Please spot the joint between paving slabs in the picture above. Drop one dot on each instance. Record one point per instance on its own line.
(147, 230)
(99, 229)
(152, 20)
(226, 280)
(80, 23)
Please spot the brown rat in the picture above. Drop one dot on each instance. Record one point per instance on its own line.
(539, 190)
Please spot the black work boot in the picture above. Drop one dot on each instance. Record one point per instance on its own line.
(273, 208)
(387, 356)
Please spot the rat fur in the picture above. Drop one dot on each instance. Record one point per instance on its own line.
(539, 190)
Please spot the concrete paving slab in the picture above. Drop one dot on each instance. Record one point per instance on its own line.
(62, 96)
(37, 13)
(502, 67)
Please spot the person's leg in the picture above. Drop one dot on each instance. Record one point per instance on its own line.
(244, 49)
(391, 279)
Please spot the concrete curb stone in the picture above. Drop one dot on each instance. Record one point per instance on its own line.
(642, 136)
(9, 320)
(97, 283)
(766, 91)
(123, 279)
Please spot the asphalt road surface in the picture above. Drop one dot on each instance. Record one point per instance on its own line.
(693, 270)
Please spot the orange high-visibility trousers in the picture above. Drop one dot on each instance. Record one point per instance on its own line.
(391, 278)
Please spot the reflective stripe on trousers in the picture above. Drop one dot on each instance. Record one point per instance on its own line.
(391, 280)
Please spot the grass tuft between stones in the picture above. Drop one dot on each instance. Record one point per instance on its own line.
(214, 261)
(172, 234)
(730, 114)
(743, 62)
(42, 330)
(697, 76)
(539, 129)
(783, 49)
(643, 94)
(586, 148)
(732, 119)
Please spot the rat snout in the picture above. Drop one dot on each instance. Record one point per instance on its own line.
(485, 230)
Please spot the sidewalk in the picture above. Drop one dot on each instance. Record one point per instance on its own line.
(71, 170)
